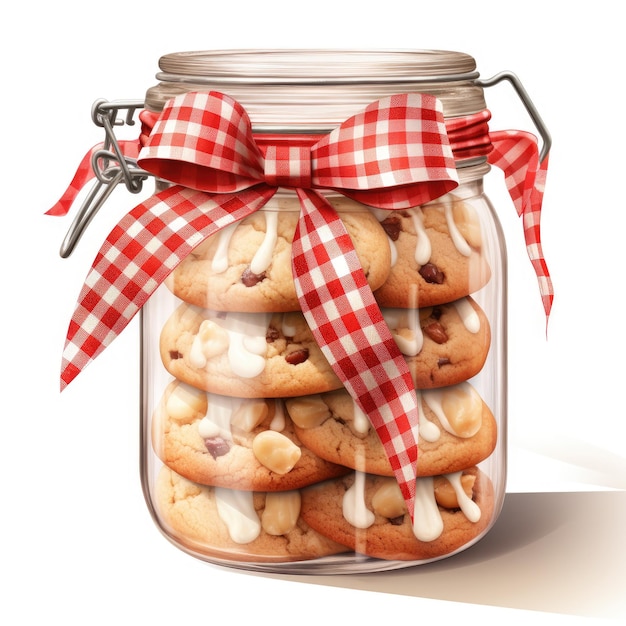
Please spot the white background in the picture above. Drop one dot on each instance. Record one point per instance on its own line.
(78, 544)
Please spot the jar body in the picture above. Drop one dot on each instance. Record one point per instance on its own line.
(253, 454)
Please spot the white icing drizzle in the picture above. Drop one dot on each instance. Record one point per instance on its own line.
(409, 346)
(278, 421)
(196, 353)
(236, 509)
(457, 239)
(216, 422)
(288, 325)
(360, 419)
(354, 509)
(423, 248)
(427, 520)
(468, 315)
(429, 431)
(434, 400)
(263, 257)
(247, 343)
(470, 509)
(394, 251)
(219, 263)
(379, 214)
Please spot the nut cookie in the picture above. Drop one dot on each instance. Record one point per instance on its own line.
(368, 514)
(247, 266)
(437, 255)
(247, 355)
(456, 430)
(238, 443)
(444, 344)
(237, 525)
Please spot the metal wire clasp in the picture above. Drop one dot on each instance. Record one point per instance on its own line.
(109, 164)
(528, 104)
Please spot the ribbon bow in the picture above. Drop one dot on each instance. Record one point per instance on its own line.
(393, 155)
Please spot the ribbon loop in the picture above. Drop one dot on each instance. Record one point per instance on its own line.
(204, 141)
(377, 156)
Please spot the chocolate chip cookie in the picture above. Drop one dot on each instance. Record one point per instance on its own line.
(456, 430)
(238, 443)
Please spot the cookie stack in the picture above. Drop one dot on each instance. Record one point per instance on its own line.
(266, 458)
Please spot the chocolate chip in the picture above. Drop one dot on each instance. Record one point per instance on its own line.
(175, 354)
(271, 335)
(436, 332)
(432, 274)
(392, 226)
(250, 279)
(396, 521)
(217, 446)
(297, 356)
(444, 360)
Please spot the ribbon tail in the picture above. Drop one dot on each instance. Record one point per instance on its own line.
(516, 153)
(346, 321)
(84, 174)
(137, 256)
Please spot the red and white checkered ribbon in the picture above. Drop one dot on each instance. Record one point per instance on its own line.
(516, 153)
(394, 155)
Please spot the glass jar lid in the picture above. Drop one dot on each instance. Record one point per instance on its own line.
(315, 90)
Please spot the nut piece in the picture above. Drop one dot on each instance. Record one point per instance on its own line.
(388, 500)
(210, 341)
(281, 513)
(308, 412)
(297, 356)
(445, 494)
(463, 409)
(467, 221)
(249, 415)
(275, 451)
(186, 403)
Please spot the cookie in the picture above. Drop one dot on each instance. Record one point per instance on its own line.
(437, 255)
(237, 525)
(247, 355)
(368, 514)
(444, 344)
(247, 266)
(237, 443)
(456, 430)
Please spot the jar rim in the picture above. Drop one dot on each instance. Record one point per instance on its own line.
(316, 66)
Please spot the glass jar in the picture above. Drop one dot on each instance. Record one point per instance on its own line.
(324, 362)
(254, 454)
